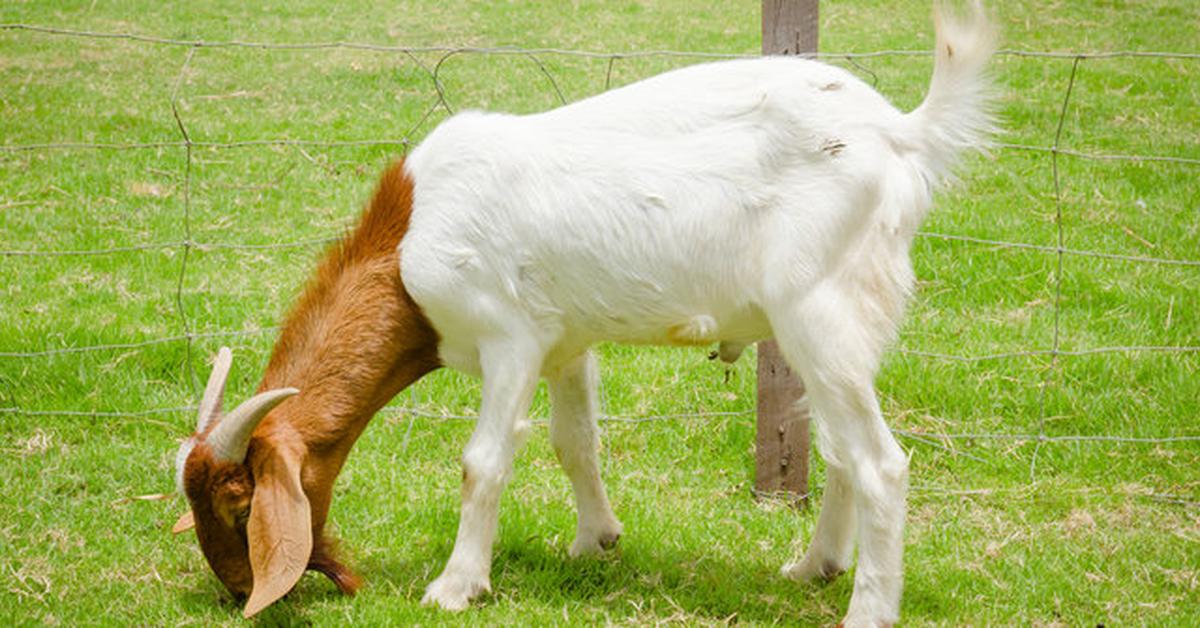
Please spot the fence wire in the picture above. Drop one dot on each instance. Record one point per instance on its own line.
(187, 335)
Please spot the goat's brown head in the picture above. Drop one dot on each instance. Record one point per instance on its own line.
(251, 516)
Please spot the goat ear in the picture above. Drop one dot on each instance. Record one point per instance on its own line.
(186, 522)
(279, 531)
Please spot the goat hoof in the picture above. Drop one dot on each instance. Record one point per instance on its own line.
(609, 541)
(454, 593)
(587, 543)
(593, 547)
(807, 570)
(855, 623)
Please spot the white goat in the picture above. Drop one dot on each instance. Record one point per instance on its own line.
(720, 203)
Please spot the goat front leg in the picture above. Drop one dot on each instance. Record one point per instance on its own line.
(575, 437)
(510, 374)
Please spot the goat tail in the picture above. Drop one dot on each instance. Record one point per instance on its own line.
(957, 113)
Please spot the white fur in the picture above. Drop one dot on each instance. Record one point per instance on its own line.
(726, 202)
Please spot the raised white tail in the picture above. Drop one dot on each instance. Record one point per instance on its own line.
(956, 114)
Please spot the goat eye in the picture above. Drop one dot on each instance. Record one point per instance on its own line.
(242, 516)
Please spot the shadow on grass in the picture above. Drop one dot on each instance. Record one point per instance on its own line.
(644, 579)
(209, 602)
(659, 571)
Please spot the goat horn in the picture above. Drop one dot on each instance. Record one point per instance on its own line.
(231, 437)
(214, 392)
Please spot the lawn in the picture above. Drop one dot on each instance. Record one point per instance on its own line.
(123, 268)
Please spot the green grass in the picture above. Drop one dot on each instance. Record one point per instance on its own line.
(1086, 540)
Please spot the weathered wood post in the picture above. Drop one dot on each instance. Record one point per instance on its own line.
(789, 27)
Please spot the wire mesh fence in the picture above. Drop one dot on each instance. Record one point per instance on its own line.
(431, 64)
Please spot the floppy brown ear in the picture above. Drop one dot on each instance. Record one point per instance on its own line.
(279, 531)
(186, 522)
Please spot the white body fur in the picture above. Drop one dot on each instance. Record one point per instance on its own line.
(726, 202)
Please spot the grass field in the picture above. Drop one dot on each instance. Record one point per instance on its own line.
(1091, 532)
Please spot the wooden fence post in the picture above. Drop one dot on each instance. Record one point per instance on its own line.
(789, 27)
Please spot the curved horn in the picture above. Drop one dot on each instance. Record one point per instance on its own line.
(230, 438)
(214, 392)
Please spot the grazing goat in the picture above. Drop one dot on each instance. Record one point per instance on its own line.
(720, 203)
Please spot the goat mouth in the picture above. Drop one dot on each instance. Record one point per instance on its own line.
(239, 589)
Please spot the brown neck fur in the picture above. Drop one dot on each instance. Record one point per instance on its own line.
(353, 341)
(355, 322)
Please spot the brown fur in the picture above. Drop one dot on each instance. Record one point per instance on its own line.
(353, 341)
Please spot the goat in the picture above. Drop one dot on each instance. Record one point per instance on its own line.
(719, 203)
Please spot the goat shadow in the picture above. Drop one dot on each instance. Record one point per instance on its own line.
(644, 578)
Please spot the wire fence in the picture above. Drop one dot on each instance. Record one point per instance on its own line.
(187, 334)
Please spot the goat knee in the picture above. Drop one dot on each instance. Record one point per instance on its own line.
(484, 474)
(881, 477)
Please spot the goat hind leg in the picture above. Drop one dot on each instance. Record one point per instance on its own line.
(881, 484)
(832, 544)
(837, 356)
(575, 437)
(854, 435)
